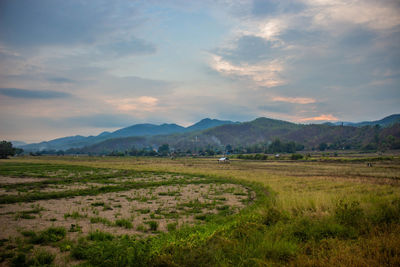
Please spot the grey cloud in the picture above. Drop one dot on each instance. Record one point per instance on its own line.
(131, 47)
(32, 94)
(60, 80)
(100, 120)
(249, 49)
(285, 108)
(358, 37)
(271, 7)
(132, 86)
(25, 23)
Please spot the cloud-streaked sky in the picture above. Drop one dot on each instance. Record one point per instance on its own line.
(83, 67)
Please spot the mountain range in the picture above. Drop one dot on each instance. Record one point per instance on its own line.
(146, 129)
(214, 133)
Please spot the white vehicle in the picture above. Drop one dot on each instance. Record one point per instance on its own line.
(223, 160)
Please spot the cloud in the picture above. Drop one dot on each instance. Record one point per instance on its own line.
(249, 49)
(134, 46)
(296, 100)
(377, 15)
(322, 117)
(104, 120)
(143, 103)
(265, 74)
(60, 80)
(32, 94)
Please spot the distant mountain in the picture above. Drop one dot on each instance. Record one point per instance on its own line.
(385, 122)
(261, 131)
(147, 129)
(207, 123)
(18, 143)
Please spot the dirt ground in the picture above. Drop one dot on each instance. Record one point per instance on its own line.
(164, 204)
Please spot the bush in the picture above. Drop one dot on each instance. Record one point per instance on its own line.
(388, 213)
(153, 225)
(171, 227)
(296, 156)
(52, 234)
(124, 223)
(43, 258)
(349, 214)
(309, 229)
(273, 216)
(99, 236)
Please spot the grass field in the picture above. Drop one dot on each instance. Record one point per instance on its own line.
(121, 211)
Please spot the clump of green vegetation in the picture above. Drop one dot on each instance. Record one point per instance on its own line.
(51, 234)
(104, 221)
(153, 225)
(39, 258)
(296, 156)
(124, 223)
(143, 211)
(172, 226)
(75, 215)
(100, 236)
(75, 228)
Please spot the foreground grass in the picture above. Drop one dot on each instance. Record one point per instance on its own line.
(323, 214)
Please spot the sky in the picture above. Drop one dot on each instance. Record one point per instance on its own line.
(84, 67)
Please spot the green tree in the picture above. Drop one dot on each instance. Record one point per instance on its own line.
(163, 150)
(276, 146)
(322, 146)
(6, 149)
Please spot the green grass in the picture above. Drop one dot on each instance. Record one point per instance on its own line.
(124, 223)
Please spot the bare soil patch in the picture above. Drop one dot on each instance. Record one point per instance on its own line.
(19, 180)
(129, 212)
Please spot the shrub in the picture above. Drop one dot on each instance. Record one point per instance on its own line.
(43, 258)
(388, 213)
(273, 216)
(349, 214)
(153, 225)
(99, 236)
(296, 156)
(124, 223)
(52, 234)
(172, 226)
(308, 229)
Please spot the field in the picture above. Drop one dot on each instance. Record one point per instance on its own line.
(131, 211)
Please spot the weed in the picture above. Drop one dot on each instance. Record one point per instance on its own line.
(100, 236)
(100, 220)
(172, 226)
(124, 223)
(75, 228)
(153, 225)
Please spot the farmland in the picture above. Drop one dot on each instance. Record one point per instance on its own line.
(119, 211)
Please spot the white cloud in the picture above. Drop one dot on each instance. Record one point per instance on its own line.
(377, 15)
(294, 100)
(263, 74)
(322, 117)
(143, 103)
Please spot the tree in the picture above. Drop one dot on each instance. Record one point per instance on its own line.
(276, 146)
(322, 146)
(163, 150)
(6, 149)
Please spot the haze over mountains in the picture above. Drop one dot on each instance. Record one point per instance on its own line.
(213, 132)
